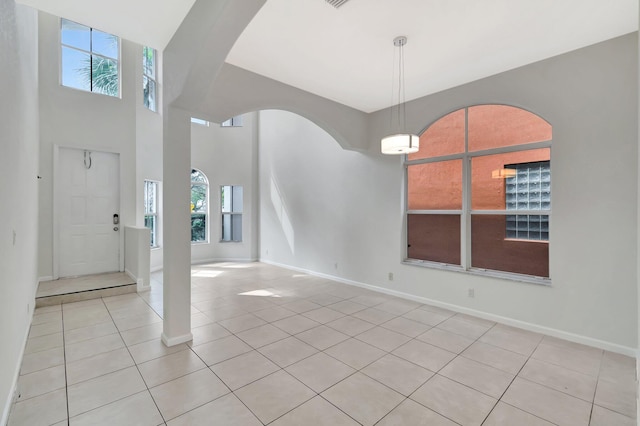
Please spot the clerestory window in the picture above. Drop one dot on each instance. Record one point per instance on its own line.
(90, 59)
(149, 79)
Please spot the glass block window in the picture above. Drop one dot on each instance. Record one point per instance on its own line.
(529, 189)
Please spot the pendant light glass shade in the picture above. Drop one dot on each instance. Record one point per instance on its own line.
(402, 143)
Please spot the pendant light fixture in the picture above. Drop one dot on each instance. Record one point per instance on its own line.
(399, 142)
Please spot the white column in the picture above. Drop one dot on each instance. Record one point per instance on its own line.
(176, 226)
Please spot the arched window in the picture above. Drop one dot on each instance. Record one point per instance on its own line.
(199, 206)
(479, 193)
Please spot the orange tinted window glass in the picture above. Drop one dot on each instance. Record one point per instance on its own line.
(487, 191)
(444, 137)
(435, 186)
(495, 126)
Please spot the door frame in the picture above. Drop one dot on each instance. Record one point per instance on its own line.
(56, 205)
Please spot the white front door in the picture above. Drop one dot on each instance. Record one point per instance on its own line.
(88, 190)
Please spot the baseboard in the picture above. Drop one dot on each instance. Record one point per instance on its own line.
(224, 259)
(45, 278)
(131, 275)
(141, 287)
(14, 385)
(173, 341)
(577, 338)
(638, 386)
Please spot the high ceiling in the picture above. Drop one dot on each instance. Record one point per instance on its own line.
(346, 54)
(148, 22)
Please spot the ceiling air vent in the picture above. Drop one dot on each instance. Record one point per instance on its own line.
(336, 3)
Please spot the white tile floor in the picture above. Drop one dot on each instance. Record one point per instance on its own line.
(277, 347)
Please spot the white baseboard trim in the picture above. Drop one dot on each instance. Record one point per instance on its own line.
(224, 259)
(141, 287)
(131, 275)
(572, 337)
(638, 386)
(173, 341)
(16, 375)
(45, 278)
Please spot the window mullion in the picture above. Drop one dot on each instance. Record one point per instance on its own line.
(91, 59)
(465, 220)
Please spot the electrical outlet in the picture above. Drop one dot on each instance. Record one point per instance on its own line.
(471, 292)
(390, 276)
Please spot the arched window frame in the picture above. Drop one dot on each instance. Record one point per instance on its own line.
(466, 212)
(199, 207)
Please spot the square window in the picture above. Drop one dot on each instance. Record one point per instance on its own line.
(90, 59)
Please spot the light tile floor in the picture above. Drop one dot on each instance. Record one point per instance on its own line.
(276, 347)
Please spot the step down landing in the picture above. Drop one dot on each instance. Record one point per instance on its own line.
(76, 289)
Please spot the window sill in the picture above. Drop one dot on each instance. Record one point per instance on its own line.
(509, 276)
(521, 240)
(198, 243)
(156, 248)
(225, 241)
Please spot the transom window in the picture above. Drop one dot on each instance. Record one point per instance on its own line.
(231, 209)
(479, 193)
(200, 121)
(199, 206)
(232, 122)
(90, 59)
(149, 85)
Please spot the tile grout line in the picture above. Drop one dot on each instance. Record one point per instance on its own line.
(64, 360)
(252, 312)
(530, 357)
(134, 363)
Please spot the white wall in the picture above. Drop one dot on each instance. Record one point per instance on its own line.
(339, 213)
(228, 156)
(78, 119)
(18, 187)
